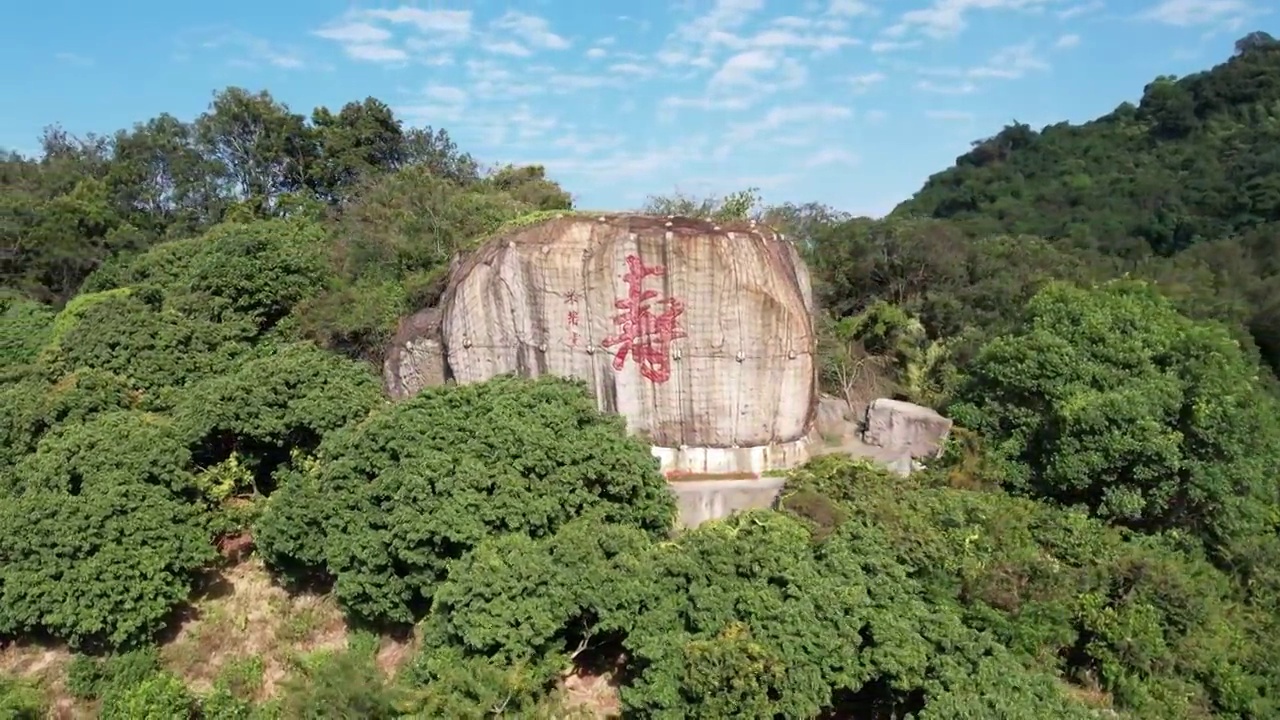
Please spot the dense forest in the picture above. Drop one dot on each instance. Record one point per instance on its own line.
(193, 318)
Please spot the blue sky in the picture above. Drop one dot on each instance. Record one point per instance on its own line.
(852, 103)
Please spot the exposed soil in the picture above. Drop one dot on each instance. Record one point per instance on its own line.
(239, 615)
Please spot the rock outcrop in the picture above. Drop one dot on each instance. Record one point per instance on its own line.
(895, 433)
(917, 431)
(699, 333)
(415, 359)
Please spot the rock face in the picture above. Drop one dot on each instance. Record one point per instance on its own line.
(415, 359)
(700, 335)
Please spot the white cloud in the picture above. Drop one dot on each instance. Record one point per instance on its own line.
(1190, 13)
(701, 42)
(866, 80)
(1081, 9)
(71, 58)
(632, 69)
(758, 71)
(515, 95)
(533, 30)
(428, 53)
(506, 47)
(364, 34)
(249, 51)
(793, 22)
(831, 156)
(512, 128)
(494, 80)
(741, 69)
(436, 104)
(490, 79)
(373, 52)
(703, 102)
(887, 46)
(284, 59)
(724, 15)
(960, 88)
(454, 25)
(565, 83)
(849, 8)
(622, 165)
(354, 32)
(430, 113)
(788, 39)
(578, 144)
(1069, 40)
(787, 117)
(695, 42)
(947, 18)
(446, 94)
(1009, 63)
(527, 124)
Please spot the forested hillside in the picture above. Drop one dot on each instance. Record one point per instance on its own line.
(209, 509)
(1195, 164)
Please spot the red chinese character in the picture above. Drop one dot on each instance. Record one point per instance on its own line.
(641, 334)
(573, 318)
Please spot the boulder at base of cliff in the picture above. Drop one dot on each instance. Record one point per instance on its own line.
(916, 430)
(835, 420)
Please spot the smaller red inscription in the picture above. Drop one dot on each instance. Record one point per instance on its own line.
(572, 318)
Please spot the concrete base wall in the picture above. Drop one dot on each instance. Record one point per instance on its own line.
(698, 462)
(713, 483)
(702, 500)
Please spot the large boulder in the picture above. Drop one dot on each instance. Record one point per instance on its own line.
(699, 333)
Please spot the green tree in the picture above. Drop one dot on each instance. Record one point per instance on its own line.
(391, 501)
(267, 409)
(161, 180)
(104, 567)
(361, 140)
(1109, 398)
(262, 149)
(739, 205)
(25, 327)
(529, 184)
(112, 449)
(156, 349)
(257, 272)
